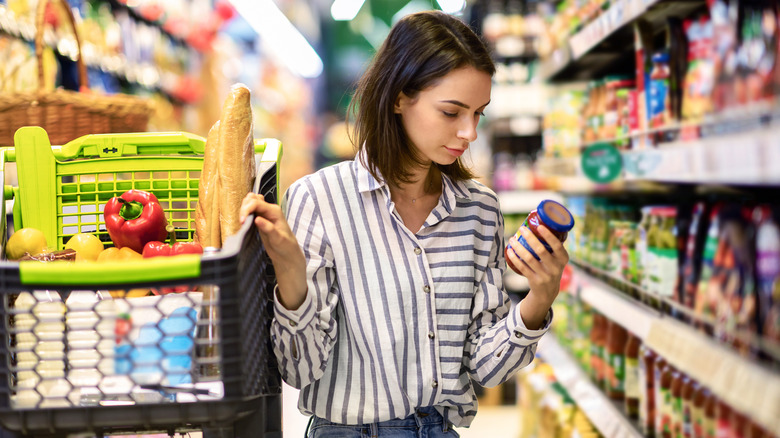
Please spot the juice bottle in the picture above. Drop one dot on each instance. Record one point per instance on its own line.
(697, 410)
(663, 413)
(647, 359)
(688, 388)
(710, 414)
(597, 341)
(676, 412)
(615, 357)
(632, 383)
(723, 422)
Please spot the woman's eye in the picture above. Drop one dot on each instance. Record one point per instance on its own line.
(448, 114)
(480, 113)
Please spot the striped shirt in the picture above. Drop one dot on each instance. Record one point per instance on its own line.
(394, 320)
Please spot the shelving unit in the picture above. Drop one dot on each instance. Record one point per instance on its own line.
(145, 74)
(599, 47)
(602, 412)
(746, 385)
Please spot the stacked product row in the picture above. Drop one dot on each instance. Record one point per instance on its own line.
(663, 400)
(707, 65)
(713, 264)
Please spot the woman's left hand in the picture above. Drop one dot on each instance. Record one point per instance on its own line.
(544, 275)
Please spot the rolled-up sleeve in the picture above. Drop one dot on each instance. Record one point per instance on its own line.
(498, 340)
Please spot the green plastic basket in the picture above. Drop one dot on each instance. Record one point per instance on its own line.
(63, 189)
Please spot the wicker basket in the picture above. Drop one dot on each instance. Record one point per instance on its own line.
(64, 114)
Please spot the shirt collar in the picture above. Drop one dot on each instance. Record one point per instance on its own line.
(367, 183)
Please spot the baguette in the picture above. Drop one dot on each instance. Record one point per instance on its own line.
(207, 229)
(236, 163)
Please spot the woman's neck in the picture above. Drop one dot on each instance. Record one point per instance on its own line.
(428, 184)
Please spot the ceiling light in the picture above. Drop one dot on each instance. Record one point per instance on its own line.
(345, 10)
(280, 36)
(452, 6)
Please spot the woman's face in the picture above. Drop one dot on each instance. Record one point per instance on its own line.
(442, 119)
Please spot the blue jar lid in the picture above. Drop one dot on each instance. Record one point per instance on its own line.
(555, 216)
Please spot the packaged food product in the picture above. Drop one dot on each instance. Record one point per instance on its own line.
(552, 215)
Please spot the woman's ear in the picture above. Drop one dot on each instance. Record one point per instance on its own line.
(400, 102)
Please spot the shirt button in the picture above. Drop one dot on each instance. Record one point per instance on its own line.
(434, 384)
(518, 335)
(427, 289)
(293, 323)
(418, 251)
(431, 335)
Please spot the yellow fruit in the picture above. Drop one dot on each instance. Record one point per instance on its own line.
(87, 246)
(25, 241)
(120, 255)
(132, 293)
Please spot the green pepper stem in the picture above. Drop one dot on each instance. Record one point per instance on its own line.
(130, 209)
(171, 230)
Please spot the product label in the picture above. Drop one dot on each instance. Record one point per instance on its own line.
(616, 372)
(687, 420)
(697, 421)
(664, 411)
(632, 385)
(663, 276)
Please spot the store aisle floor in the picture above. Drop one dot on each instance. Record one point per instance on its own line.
(493, 422)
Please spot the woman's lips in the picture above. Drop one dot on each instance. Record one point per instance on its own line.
(455, 152)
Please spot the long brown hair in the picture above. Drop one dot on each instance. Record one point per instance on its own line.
(420, 49)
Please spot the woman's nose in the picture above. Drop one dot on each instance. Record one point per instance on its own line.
(468, 130)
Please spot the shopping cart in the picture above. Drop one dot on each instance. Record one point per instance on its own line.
(198, 360)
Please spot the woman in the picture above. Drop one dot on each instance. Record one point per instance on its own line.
(389, 268)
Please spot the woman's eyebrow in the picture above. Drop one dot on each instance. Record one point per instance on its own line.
(460, 104)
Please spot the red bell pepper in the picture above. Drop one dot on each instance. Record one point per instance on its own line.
(157, 249)
(134, 219)
(162, 249)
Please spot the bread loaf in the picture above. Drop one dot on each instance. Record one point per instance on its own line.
(207, 228)
(236, 163)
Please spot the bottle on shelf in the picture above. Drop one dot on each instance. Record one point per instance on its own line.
(723, 424)
(632, 383)
(710, 429)
(598, 339)
(676, 411)
(663, 413)
(615, 360)
(647, 359)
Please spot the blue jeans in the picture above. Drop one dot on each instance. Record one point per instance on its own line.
(424, 423)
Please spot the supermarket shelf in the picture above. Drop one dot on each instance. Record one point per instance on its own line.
(629, 313)
(712, 160)
(117, 65)
(523, 201)
(564, 174)
(599, 409)
(746, 385)
(601, 46)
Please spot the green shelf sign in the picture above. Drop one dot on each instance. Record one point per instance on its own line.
(602, 163)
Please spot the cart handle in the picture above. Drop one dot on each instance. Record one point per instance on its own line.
(180, 267)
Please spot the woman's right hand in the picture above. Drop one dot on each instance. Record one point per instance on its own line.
(281, 246)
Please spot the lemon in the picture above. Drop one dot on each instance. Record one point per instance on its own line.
(87, 246)
(25, 241)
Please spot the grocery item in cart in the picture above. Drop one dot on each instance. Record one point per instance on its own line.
(236, 164)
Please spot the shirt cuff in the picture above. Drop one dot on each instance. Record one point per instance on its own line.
(522, 336)
(294, 320)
